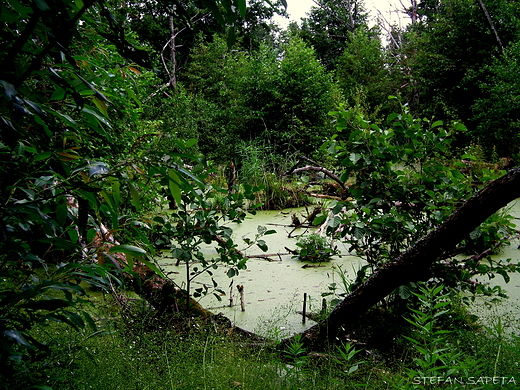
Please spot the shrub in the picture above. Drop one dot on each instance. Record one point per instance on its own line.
(315, 248)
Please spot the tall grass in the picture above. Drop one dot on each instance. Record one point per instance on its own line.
(262, 168)
(210, 354)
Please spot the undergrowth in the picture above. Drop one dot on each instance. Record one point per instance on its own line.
(133, 350)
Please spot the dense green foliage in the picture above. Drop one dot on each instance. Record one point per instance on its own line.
(135, 351)
(404, 179)
(79, 172)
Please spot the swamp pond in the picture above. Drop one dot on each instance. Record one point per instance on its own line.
(274, 290)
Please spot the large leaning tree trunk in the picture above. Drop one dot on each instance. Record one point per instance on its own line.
(415, 264)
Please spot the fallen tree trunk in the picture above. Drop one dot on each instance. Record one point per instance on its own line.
(415, 264)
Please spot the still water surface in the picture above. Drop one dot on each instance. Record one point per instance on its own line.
(273, 290)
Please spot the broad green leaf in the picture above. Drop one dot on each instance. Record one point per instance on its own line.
(74, 319)
(242, 7)
(42, 156)
(101, 106)
(354, 157)
(231, 37)
(262, 245)
(61, 212)
(58, 94)
(135, 197)
(174, 185)
(73, 235)
(231, 272)
(460, 127)
(101, 119)
(215, 11)
(116, 190)
(108, 199)
(66, 118)
(98, 94)
(153, 267)
(191, 142)
(125, 248)
(42, 5)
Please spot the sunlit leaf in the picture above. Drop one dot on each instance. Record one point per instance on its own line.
(101, 106)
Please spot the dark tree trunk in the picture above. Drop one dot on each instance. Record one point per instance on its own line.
(415, 264)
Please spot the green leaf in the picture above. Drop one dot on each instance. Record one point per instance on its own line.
(58, 94)
(242, 7)
(90, 322)
(88, 111)
(116, 190)
(107, 198)
(17, 336)
(354, 157)
(262, 245)
(460, 127)
(174, 185)
(42, 5)
(74, 319)
(101, 106)
(191, 142)
(42, 156)
(124, 248)
(64, 117)
(61, 212)
(231, 37)
(215, 11)
(98, 94)
(231, 272)
(136, 198)
(153, 267)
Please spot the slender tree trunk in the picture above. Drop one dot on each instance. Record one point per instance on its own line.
(173, 55)
(491, 24)
(415, 264)
(413, 11)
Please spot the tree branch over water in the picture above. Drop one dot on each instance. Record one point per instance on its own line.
(415, 264)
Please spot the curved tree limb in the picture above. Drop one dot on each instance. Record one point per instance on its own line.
(415, 264)
(316, 168)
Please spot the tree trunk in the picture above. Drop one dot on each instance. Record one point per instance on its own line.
(415, 264)
(491, 24)
(173, 55)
